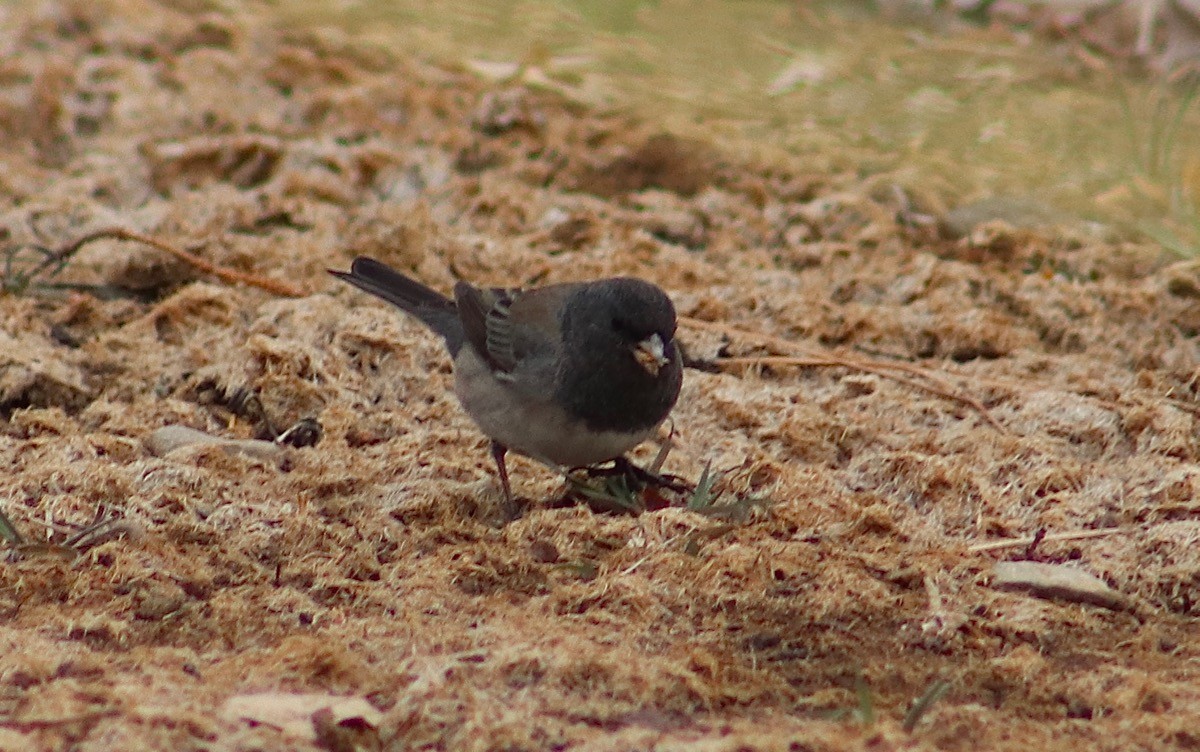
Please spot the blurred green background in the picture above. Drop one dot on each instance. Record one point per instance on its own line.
(951, 110)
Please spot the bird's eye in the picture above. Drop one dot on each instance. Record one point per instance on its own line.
(620, 327)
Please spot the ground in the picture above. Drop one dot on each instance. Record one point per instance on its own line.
(913, 400)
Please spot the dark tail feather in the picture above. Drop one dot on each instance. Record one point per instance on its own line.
(434, 309)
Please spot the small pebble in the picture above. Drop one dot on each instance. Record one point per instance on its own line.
(1057, 582)
(169, 438)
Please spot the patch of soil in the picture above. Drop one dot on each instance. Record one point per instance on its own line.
(916, 407)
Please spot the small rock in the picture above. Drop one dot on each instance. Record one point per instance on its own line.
(544, 552)
(1183, 281)
(169, 438)
(304, 717)
(1057, 582)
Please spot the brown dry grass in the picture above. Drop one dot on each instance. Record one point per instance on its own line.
(375, 564)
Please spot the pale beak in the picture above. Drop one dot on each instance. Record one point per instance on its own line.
(649, 354)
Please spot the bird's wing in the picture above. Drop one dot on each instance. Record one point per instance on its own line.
(510, 327)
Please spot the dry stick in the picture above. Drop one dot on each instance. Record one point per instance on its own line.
(1051, 538)
(1180, 404)
(879, 368)
(667, 543)
(48, 723)
(207, 267)
(875, 367)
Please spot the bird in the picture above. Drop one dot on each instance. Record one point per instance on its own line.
(572, 374)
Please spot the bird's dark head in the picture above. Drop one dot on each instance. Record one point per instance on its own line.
(625, 319)
(621, 368)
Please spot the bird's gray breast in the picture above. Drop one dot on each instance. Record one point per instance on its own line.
(520, 411)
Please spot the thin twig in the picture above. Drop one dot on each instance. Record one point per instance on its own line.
(881, 368)
(1185, 406)
(665, 544)
(924, 703)
(1050, 538)
(93, 531)
(48, 723)
(780, 360)
(667, 445)
(224, 274)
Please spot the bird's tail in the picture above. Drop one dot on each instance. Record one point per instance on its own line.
(432, 308)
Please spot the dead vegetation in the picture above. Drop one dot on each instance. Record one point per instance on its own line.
(915, 407)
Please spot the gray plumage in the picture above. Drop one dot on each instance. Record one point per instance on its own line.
(570, 374)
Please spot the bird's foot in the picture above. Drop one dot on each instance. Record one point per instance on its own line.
(638, 477)
(624, 488)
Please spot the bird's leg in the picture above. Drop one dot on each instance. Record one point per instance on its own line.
(622, 466)
(498, 452)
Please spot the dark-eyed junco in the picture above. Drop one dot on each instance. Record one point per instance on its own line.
(570, 374)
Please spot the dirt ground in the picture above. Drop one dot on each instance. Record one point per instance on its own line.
(955, 395)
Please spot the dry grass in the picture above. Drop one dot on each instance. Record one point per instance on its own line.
(377, 563)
